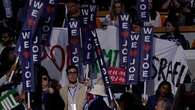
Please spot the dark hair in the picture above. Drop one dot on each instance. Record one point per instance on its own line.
(71, 67)
(130, 101)
(169, 89)
(113, 13)
(55, 85)
(174, 23)
(153, 14)
(42, 71)
(39, 72)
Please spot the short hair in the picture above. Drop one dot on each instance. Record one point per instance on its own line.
(71, 67)
(41, 70)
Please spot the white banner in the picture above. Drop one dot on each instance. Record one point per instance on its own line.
(170, 63)
(55, 59)
(169, 59)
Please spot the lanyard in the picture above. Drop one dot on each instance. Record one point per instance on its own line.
(72, 93)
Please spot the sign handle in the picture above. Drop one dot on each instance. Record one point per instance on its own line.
(13, 69)
(144, 96)
(28, 100)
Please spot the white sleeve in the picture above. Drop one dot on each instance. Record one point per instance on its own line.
(158, 20)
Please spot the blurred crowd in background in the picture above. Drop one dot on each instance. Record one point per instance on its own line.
(170, 14)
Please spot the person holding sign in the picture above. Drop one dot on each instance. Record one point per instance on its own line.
(73, 8)
(74, 93)
(73, 11)
(164, 91)
(47, 96)
(173, 33)
(98, 103)
(117, 9)
(154, 15)
(6, 38)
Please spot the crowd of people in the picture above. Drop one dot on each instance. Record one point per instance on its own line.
(179, 13)
(85, 95)
(76, 95)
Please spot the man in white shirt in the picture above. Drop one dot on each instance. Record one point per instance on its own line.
(74, 93)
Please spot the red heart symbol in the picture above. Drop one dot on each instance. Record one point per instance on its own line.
(53, 58)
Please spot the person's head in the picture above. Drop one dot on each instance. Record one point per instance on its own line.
(55, 84)
(72, 74)
(152, 7)
(43, 76)
(164, 89)
(150, 4)
(89, 97)
(8, 55)
(7, 36)
(171, 26)
(73, 8)
(129, 101)
(153, 4)
(45, 80)
(163, 104)
(118, 7)
(136, 26)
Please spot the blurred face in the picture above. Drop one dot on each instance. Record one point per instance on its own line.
(150, 4)
(117, 8)
(45, 81)
(72, 8)
(164, 90)
(6, 38)
(90, 96)
(169, 27)
(72, 75)
(135, 28)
